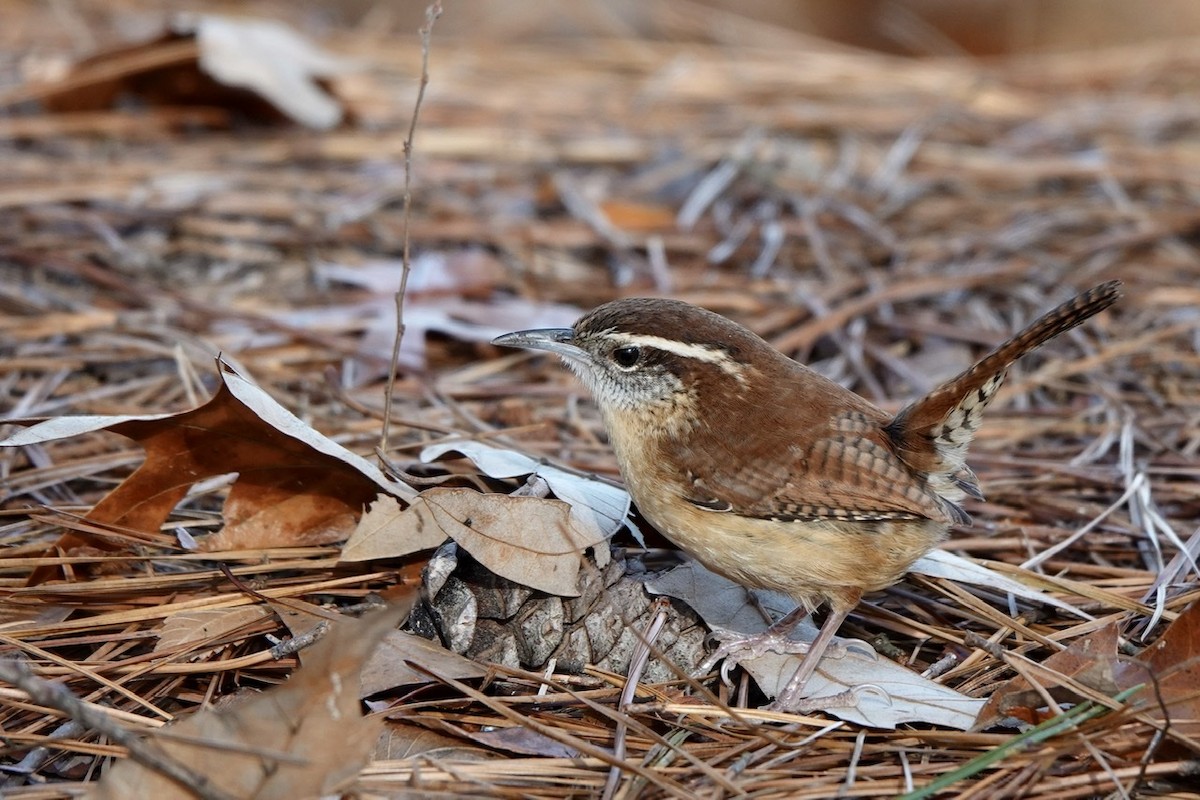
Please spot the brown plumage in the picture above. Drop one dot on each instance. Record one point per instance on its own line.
(771, 474)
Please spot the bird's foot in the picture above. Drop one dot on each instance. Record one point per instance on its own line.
(736, 647)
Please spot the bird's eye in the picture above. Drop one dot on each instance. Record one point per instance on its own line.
(627, 357)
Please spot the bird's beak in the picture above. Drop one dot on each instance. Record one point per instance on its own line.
(559, 341)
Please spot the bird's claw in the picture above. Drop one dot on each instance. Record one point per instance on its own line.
(737, 647)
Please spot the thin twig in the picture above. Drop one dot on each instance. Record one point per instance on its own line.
(432, 12)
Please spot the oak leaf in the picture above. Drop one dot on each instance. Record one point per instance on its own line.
(294, 485)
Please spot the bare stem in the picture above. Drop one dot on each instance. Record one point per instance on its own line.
(432, 12)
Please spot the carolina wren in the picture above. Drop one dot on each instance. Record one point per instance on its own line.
(771, 474)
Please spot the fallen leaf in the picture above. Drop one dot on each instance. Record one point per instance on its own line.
(1171, 669)
(523, 741)
(473, 272)
(601, 503)
(880, 692)
(197, 625)
(294, 485)
(385, 532)
(259, 68)
(532, 541)
(1091, 660)
(389, 664)
(269, 59)
(638, 217)
(401, 741)
(305, 738)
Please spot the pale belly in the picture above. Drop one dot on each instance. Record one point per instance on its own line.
(810, 561)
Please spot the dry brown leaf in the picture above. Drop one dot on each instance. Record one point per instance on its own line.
(390, 663)
(1170, 668)
(530, 540)
(198, 625)
(385, 532)
(294, 485)
(637, 217)
(1090, 660)
(604, 504)
(523, 741)
(401, 740)
(1173, 690)
(305, 738)
(259, 68)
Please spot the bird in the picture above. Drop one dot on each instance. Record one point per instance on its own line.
(772, 475)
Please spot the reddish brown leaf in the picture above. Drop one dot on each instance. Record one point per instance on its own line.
(638, 217)
(1171, 669)
(294, 486)
(259, 68)
(1090, 660)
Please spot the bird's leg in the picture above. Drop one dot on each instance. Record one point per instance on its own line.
(736, 647)
(789, 698)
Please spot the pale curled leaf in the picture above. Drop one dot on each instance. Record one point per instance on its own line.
(604, 505)
(530, 540)
(885, 694)
(270, 59)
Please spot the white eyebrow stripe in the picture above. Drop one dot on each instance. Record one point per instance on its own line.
(709, 355)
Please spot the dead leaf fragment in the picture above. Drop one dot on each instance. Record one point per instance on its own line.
(530, 540)
(944, 564)
(386, 531)
(401, 741)
(1090, 660)
(390, 664)
(305, 738)
(1171, 668)
(269, 59)
(601, 503)
(197, 625)
(259, 68)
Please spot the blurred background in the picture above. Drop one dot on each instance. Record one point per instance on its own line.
(908, 27)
